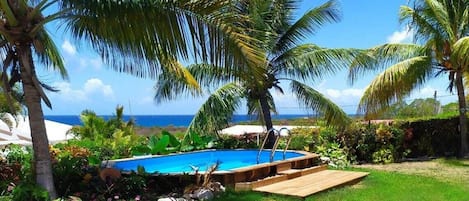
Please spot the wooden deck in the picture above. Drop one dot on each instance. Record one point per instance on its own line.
(312, 183)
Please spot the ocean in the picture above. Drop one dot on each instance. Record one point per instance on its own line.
(161, 120)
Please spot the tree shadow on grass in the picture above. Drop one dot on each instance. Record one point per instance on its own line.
(455, 162)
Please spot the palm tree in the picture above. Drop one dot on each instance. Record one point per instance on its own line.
(287, 59)
(142, 38)
(441, 30)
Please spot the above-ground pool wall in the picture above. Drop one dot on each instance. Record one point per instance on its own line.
(264, 170)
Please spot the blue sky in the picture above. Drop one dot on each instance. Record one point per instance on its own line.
(92, 85)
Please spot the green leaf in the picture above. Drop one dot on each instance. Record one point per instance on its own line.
(173, 141)
(141, 150)
(93, 160)
(161, 145)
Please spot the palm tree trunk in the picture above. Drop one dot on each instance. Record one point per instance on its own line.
(267, 122)
(462, 115)
(42, 166)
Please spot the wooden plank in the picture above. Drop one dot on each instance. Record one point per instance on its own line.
(313, 183)
(240, 186)
(291, 173)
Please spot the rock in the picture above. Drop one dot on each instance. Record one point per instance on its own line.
(204, 194)
(325, 159)
(168, 199)
(216, 187)
(173, 199)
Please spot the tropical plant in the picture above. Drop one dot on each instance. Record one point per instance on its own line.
(441, 33)
(138, 37)
(164, 144)
(280, 37)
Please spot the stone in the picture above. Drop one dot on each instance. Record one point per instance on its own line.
(204, 194)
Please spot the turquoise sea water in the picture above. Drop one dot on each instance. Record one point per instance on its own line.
(161, 120)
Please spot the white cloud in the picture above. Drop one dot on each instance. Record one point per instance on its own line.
(67, 93)
(92, 89)
(95, 85)
(69, 48)
(333, 93)
(405, 35)
(353, 92)
(88, 63)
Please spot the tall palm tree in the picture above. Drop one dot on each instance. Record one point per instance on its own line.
(441, 30)
(142, 38)
(287, 59)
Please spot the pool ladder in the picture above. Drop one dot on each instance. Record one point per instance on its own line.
(278, 134)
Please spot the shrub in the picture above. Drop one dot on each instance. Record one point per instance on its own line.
(337, 157)
(304, 138)
(362, 141)
(384, 155)
(30, 191)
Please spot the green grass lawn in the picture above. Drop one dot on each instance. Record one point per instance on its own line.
(379, 185)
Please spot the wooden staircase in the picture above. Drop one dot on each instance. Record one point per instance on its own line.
(302, 182)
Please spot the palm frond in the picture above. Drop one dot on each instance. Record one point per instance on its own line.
(307, 24)
(438, 13)
(424, 29)
(460, 55)
(7, 13)
(48, 54)
(395, 83)
(209, 75)
(314, 100)
(172, 85)
(134, 37)
(309, 61)
(217, 110)
(378, 58)
(255, 108)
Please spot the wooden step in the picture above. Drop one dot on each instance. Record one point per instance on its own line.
(281, 176)
(312, 183)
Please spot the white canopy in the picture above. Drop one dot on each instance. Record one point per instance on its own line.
(247, 129)
(21, 133)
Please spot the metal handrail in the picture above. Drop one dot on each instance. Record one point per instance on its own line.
(265, 140)
(274, 148)
(278, 135)
(288, 141)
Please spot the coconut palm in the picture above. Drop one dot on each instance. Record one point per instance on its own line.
(288, 59)
(441, 30)
(142, 38)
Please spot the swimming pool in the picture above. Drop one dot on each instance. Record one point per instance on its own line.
(184, 163)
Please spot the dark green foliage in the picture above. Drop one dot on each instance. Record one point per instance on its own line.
(194, 141)
(107, 139)
(235, 142)
(376, 143)
(30, 191)
(434, 137)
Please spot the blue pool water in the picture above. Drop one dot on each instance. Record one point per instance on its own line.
(180, 163)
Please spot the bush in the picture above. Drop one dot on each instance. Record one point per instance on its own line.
(30, 191)
(373, 142)
(383, 155)
(336, 156)
(304, 138)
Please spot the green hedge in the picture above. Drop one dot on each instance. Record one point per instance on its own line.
(433, 137)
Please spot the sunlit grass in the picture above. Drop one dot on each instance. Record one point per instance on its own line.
(379, 185)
